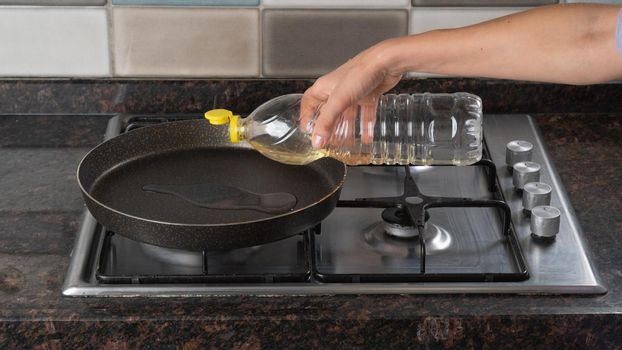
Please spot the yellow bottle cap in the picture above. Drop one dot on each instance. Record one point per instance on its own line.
(224, 116)
(218, 116)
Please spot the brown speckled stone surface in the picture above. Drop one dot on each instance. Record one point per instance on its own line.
(243, 96)
(40, 211)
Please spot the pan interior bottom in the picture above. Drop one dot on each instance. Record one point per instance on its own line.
(218, 196)
(185, 182)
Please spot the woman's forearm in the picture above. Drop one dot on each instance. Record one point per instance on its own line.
(572, 44)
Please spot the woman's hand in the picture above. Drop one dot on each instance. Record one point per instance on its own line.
(359, 81)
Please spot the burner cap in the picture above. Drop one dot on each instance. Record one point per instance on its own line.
(397, 216)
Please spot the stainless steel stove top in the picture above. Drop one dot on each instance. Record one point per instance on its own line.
(351, 252)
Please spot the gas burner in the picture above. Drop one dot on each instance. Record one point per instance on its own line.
(397, 223)
(378, 238)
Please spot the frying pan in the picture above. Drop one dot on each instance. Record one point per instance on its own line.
(168, 184)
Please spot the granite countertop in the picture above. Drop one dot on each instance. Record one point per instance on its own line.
(40, 208)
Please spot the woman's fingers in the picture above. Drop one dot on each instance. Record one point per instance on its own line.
(353, 87)
(329, 113)
(314, 97)
(363, 76)
(309, 105)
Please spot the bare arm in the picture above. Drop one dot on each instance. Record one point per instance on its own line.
(572, 44)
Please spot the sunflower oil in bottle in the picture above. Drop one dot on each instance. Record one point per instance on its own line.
(415, 129)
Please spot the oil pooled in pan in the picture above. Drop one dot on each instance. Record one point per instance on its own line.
(217, 196)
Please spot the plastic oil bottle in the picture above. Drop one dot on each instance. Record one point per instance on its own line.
(417, 129)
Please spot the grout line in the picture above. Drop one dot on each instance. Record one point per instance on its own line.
(260, 8)
(409, 8)
(111, 50)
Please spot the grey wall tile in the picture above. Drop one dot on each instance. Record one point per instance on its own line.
(186, 42)
(482, 2)
(307, 43)
(336, 3)
(426, 19)
(54, 2)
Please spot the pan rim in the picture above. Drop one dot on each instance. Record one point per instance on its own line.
(106, 207)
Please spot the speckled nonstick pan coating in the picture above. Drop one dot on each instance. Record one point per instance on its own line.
(112, 175)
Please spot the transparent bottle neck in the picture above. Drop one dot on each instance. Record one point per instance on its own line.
(241, 129)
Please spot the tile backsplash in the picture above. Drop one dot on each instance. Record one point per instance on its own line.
(188, 2)
(53, 42)
(495, 3)
(54, 2)
(311, 42)
(337, 3)
(215, 38)
(426, 19)
(186, 42)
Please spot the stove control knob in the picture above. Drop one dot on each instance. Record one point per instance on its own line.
(544, 222)
(517, 151)
(524, 173)
(535, 194)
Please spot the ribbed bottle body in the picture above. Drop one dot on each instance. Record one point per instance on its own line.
(417, 129)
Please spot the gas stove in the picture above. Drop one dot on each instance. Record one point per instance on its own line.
(396, 230)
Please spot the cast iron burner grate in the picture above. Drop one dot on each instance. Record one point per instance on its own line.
(411, 207)
(210, 267)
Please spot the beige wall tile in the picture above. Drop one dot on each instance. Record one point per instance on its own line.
(186, 42)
